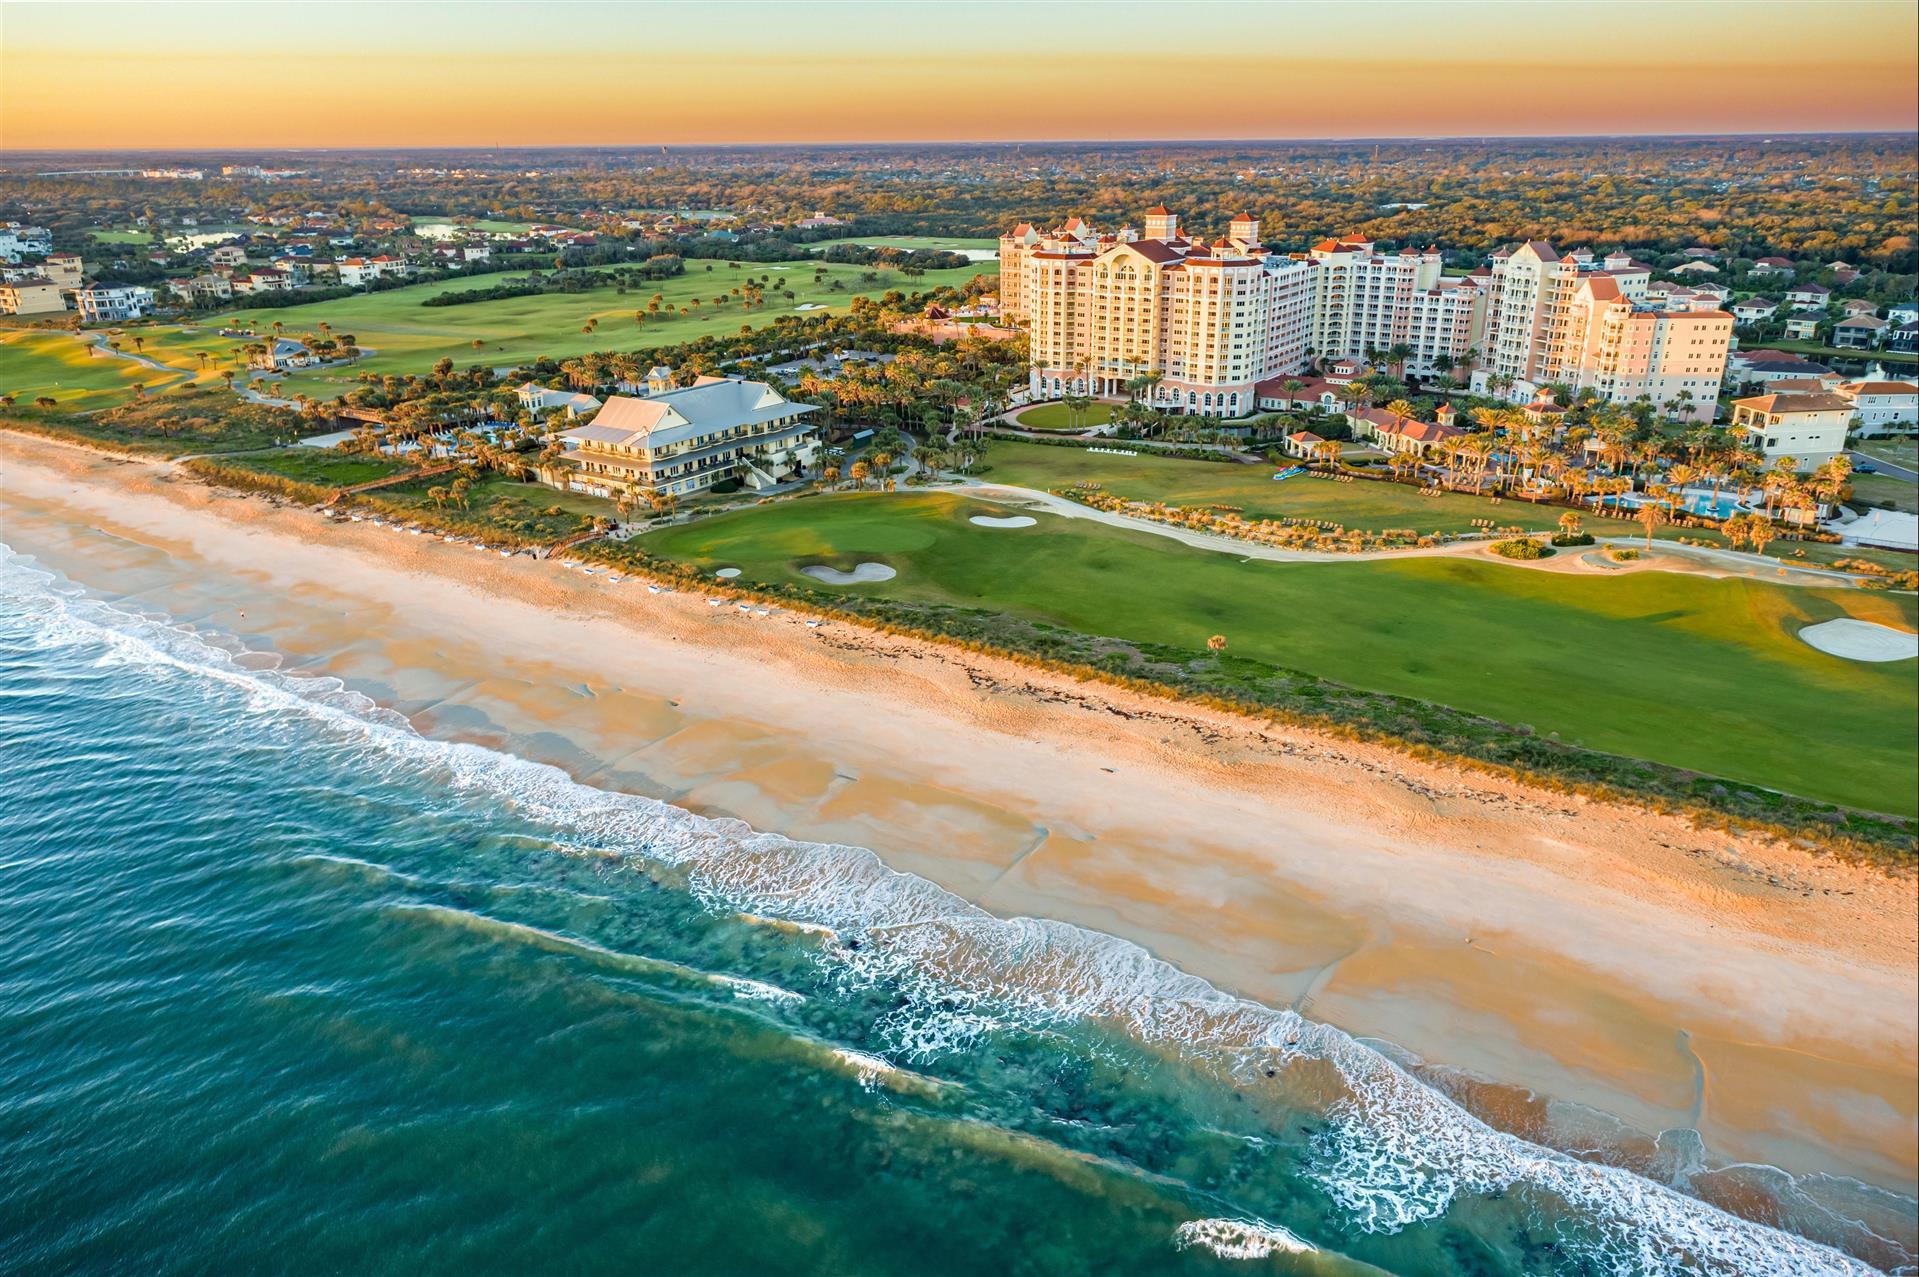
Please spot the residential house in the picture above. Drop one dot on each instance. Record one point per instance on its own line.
(228, 255)
(112, 305)
(64, 269)
(1902, 312)
(1808, 427)
(1808, 296)
(1860, 332)
(263, 280)
(284, 352)
(1902, 339)
(1858, 306)
(1695, 268)
(1774, 266)
(1882, 406)
(541, 400)
(17, 239)
(1754, 310)
(31, 295)
(1767, 366)
(685, 441)
(1803, 328)
(358, 272)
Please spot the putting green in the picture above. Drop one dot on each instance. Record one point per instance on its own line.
(1695, 672)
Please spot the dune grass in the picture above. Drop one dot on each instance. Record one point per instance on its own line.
(1697, 673)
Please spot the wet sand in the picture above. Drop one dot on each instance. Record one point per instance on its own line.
(1591, 955)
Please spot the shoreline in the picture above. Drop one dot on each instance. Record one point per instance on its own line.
(1597, 954)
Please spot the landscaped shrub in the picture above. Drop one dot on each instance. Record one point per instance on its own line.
(1524, 548)
(1574, 538)
(1621, 553)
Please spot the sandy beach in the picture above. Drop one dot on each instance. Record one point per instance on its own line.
(1595, 956)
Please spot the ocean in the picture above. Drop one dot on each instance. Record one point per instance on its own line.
(288, 987)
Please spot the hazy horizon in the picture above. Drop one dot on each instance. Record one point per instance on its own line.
(437, 76)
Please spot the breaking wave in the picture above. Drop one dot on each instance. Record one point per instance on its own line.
(1390, 1151)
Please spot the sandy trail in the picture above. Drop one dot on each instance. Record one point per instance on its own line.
(1591, 953)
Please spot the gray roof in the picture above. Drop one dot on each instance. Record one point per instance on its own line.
(707, 407)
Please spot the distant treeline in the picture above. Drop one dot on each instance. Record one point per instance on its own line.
(664, 266)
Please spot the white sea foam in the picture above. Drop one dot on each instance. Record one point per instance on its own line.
(1393, 1152)
(1240, 1238)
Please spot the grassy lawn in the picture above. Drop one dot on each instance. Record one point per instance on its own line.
(488, 224)
(1685, 670)
(946, 243)
(1892, 359)
(1056, 416)
(321, 466)
(1901, 452)
(1900, 494)
(407, 337)
(125, 235)
(70, 370)
(1359, 504)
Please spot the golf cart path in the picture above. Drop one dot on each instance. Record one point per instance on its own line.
(1701, 558)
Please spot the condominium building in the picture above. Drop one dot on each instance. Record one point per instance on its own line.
(31, 295)
(1583, 322)
(1369, 301)
(1205, 322)
(684, 441)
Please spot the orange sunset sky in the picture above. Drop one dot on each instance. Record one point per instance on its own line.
(78, 75)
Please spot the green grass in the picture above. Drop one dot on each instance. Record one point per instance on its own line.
(185, 420)
(1364, 504)
(320, 466)
(1901, 452)
(499, 508)
(1056, 416)
(1698, 673)
(947, 243)
(67, 368)
(1815, 350)
(1900, 494)
(407, 337)
(489, 224)
(124, 235)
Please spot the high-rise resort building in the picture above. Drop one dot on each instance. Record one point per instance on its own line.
(1584, 322)
(1204, 322)
(1369, 301)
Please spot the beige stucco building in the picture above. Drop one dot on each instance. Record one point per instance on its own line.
(1208, 321)
(1584, 322)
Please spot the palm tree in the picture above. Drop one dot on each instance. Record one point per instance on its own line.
(1652, 512)
(1569, 523)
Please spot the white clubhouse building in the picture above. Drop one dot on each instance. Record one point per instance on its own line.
(680, 442)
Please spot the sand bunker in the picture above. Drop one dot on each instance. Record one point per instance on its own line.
(1010, 521)
(862, 574)
(1862, 640)
(728, 573)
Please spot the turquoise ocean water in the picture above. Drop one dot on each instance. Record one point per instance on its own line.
(287, 987)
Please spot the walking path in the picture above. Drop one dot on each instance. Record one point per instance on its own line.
(1733, 562)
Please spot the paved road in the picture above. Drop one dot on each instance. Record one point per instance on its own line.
(1884, 467)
